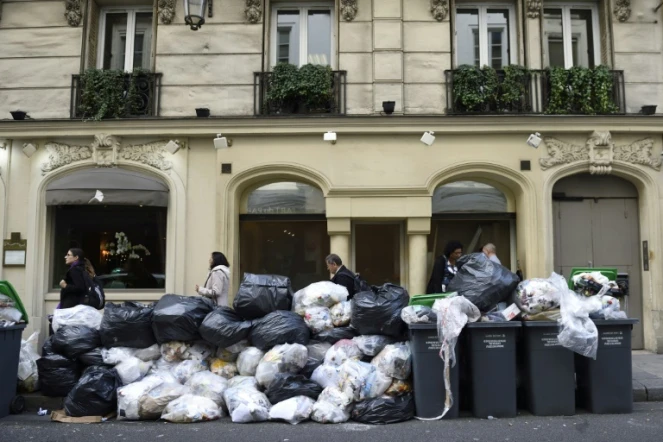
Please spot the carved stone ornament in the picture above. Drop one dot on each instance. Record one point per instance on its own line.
(600, 152)
(253, 11)
(166, 11)
(439, 9)
(62, 154)
(534, 8)
(105, 148)
(622, 10)
(349, 9)
(151, 154)
(73, 12)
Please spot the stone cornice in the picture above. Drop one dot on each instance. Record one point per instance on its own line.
(365, 125)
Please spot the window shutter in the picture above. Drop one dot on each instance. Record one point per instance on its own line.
(92, 34)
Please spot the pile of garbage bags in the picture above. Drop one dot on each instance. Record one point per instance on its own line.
(274, 356)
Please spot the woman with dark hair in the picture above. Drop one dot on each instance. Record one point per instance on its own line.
(218, 280)
(73, 288)
(445, 268)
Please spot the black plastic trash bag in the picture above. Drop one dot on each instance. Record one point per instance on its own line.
(286, 386)
(335, 335)
(260, 295)
(57, 375)
(47, 348)
(92, 358)
(316, 356)
(178, 318)
(379, 313)
(483, 282)
(223, 328)
(279, 327)
(94, 394)
(384, 410)
(74, 340)
(127, 325)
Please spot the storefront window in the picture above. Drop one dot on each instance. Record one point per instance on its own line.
(126, 244)
(283, 231)
(468, 196)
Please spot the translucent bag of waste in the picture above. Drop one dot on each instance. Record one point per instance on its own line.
(335, 396)
(236, 349)
(164, 370)
(243, 381)
(540, 295)
(318, 319)
(293, 410)
(209, 385)
(246, 404)
(578, 332)
(81, 315)
(286, 358)
(191, 408)
(316, 356)
(199, 351)
(222, 368)
(116, 355)
(174, 351)
(418, 314)
(371, 345)
(151, 353)
(128, 397)
(248, 361)
(398, 388)
(186, 369)
(342, 351)
(326, 376)
(10, 314)
(6, 301)
(359, 380)
(152, 403)
(231, 354)
(610, 309)
(28, 374)
(332, 407)
(132, 370)
(395, 360)
(341, 314)
(319, 294)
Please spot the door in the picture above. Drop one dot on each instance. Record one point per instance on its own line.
(602, 232)
(378, 252)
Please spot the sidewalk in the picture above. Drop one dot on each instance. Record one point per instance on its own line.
(647, 376)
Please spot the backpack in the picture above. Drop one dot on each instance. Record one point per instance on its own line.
(95, 292)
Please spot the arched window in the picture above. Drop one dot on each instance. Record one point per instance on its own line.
(283, 231)
(468, 196)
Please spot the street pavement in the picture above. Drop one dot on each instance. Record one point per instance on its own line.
(647, 377)
(643, 425)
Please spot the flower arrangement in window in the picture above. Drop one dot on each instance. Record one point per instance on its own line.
(124, 249)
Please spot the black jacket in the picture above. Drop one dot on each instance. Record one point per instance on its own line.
(345, 278)
(76, 290)
(441, 275)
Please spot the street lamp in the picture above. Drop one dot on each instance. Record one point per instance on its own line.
(194, 13)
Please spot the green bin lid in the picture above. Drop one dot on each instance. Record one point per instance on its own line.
(610, 273)
(428, 300)
(7, 289)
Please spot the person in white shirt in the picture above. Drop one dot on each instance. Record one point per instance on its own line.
(491, 252)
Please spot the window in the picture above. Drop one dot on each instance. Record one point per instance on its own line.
(103, 232)
(484, 36)
(125, 38)
(570, 35)
(302, 33)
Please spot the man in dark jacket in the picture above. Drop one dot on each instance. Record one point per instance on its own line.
(342, 275)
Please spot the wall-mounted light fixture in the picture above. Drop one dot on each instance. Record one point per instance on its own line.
(221, 142)
(330, 136)
(534, 140)
(428, 138)
(194, 12)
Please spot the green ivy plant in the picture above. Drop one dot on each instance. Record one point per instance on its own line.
(315, 86)
(580, 90)
(283, 87)
(468, 86)
(559, 98)
(603, 84)
(311, 86)
(491, 88)
(108, 93)
(513, 88)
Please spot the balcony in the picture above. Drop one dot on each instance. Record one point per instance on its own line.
(516, 90)
(101, 94)
(280, 93)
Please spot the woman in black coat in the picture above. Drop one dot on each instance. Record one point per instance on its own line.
(444, 268)
(74, 289)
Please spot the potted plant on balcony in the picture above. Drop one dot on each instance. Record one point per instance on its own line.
(315, 88)
(603, 84)
(107, 93)
(282, 89)
(474, 89)
(513, 89)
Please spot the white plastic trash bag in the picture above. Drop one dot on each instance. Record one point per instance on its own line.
(418, 314)
(236, 349)
(326, 376)
(27, 363)
(152, 403)
(80, 315)
(246, 404)
(132, 370)
(360, 381)
(371, 345)
(342, 351)
(332, 407)
(318, 319)
(248, 361)
(186, 369)
(128, 397)
(539, 295)
(222, 368)
(174, 351)
(286, 358)
(243, 381)
(341, 314)
(318, 294)
(116, 355)
(151, 353)
(190, 408)
(10, 314)
(209, 385)
(231, 353)
(577, 332)
(395, 360)
(293, 410)
(200, 351)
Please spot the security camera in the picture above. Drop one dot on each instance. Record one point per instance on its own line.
(428, 138)
(221, 142)
(330, 136)
(173, 146)
(534, 140)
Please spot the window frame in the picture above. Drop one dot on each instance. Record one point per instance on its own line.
(131, 12)
(512, 38)
(303, 9)
(567, 38)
